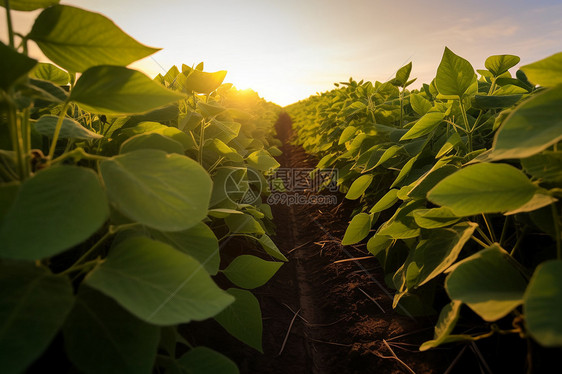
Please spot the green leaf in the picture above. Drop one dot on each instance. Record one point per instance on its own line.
(424, 125)
(499, 64)
(117, 341)
(203, 360)
(483, 188)
(546, 72)
(402, 225)
(436, 252)
(358, 229)
(543, 304)
(494, 102)
(271, 249)
(51, 73)
(70, 128)
(389, 153)
(77, 39)
(454, 75)
(29, 5)
(420, 104)
(243, 224)
(546, 166)
(402, 75)
(158, 283)
(152, 141)
(262, 161)
(13, 66)
(157, 128)
(427, 181)
(434, 218)
(242, 319)
(198, 241)
(359, 186)
(247, 271)
(167, 192)
(118, 90)
(538, 201)
(33, 307)
(488, 282)
(347, 134)
(385, 202)
(445, 324)
(532, 127)
(378, 243)
(55, 210)
(204, 83)
(453, 141)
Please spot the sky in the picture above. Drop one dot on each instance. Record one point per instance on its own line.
(287, 50)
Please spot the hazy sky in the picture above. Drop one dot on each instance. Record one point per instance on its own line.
(287, 50)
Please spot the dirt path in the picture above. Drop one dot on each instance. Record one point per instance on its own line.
(344, 312)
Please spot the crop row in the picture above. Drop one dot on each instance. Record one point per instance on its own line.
(117, 194)
(457, 187)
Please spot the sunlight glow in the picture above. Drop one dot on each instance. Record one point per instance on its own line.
(288, 50)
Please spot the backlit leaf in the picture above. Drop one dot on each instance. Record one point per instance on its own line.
(454, 75)
(77, 39)
(158, 283)
(247, 271)
(546, 72)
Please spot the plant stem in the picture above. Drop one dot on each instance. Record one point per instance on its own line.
(504, 229)
(556, 220)
(466, 125)
(9, 23)
(78, 152)
(479, 241)
(111, 231)
(492, 234)
(57, 131)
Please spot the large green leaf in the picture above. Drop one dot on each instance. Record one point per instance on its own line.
(270, 248)
(445, 324)
(483, 188)
(158, 283)
(359, 186)
(358, 229)
(247, 271)
(389, 199)
(116, 342)
(546, 72)
(33, 307)
(546, 166)
(13, 66)
(499, 64)
(262, 160)
(242, 319)
(543, 304)
(426, 124)
(70, 128)
(198, 241)
(454, 74)
(167, 192)
(203, 360)
(532, 127)
(402, 75)
(420, 104)
(427, 181)
(347, 134)
(56, 209)
(152, 141)
(158, 128)
(29, 5)
(77, 39)
(243, 224)
(434, 218)
(436, 252)
(203, 82)
(51, 73)
(118, 90)
(488, 282)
